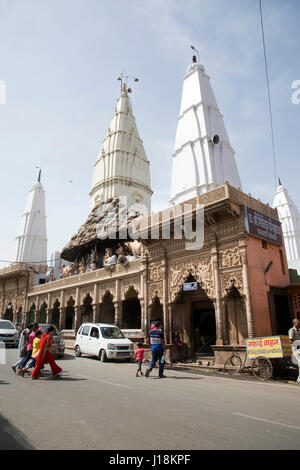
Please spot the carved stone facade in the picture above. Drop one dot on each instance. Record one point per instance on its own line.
(229, 270)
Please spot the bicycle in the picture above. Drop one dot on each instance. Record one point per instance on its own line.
(234, 363)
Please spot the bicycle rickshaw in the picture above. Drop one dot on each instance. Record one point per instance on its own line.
(270, 356)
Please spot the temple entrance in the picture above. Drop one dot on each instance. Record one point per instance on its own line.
(87, 309)
(55, 313)
(131, 318)
(70, 312)
(107, 309)
(204, 327)
(43, 313)
(156, 311)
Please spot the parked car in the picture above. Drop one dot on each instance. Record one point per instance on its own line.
(103, 340)
(8, 333)
(59, 344)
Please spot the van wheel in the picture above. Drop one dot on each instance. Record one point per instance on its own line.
(102, 356)
(77, 351)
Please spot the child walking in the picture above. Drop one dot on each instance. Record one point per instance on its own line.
(139, 354)
(35, 351)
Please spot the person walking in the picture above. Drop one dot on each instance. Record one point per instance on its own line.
(29, 346)
(139, 355)
(157, 342)
(45, 355)
(22, 349)
(35, 350)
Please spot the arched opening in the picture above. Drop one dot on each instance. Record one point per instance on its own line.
(131, 318)
(43, 313)
(156, 311)
(70, 312)
(55, 313)
(31, 313)
(194, 319)
(107, 309)
(19, 318)
(87, 309)
(9, 312)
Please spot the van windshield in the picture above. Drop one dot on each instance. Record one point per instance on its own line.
(110, 332)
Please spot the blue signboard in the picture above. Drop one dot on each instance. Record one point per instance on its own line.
(190, 286)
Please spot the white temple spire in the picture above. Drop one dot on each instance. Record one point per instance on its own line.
(122, 167)
(32, 238)
(200, 162)
(290, 219)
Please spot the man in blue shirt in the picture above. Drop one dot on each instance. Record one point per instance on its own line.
(156, 338)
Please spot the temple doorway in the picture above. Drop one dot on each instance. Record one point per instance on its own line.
(55, 313)
(87, 309)
(204, 328)
(107, 309)
(131, 318)
(70, 312)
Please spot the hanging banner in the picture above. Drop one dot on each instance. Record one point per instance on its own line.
(268, 346)
(262, 226)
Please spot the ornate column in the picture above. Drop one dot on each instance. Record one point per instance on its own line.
(164, 267)
(96, 313)
(245, 275)
(170, 314)
(49, 315)
(77, 310)
(118, 313)
(143, 316)
(218, 295)
(62, 318)
(37, 309)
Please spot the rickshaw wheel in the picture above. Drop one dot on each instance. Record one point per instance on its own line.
(262, 368)
(233, 364)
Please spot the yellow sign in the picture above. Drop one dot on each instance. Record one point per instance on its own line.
(268, 346)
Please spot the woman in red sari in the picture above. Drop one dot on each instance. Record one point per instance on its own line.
(45, 355)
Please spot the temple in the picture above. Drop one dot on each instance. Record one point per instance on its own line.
(290, 219)
(131, 269)
(32, 237)
(122, 167)
(203, 157)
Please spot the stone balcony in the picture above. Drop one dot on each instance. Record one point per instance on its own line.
(97, 276)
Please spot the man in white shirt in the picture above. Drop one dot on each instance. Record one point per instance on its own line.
(294, 335)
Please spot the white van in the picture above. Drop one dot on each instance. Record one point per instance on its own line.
(103, 340)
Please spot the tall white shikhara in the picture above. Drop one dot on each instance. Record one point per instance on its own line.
(122, 167)
(199, 164)
(32, 238)
(290, 219)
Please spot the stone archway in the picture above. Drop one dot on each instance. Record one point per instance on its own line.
(194, 318)
(156, 311)
(70, 314)
(87, 309)
(55, 313)
(9, 312)
(31, 313)
(131, 310)
(43, 313)
(107, 309)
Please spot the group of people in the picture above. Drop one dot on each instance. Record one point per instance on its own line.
(158, 350)
(36, 346)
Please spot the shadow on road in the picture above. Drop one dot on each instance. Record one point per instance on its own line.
(3, 382)
(179, 378)
(66, 357)
(11, 438)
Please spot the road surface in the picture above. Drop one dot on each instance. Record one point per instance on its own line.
(104, 406)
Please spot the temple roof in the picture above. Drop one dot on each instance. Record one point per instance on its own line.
(111, 216)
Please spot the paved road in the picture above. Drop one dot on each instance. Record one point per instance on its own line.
(104, 406)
